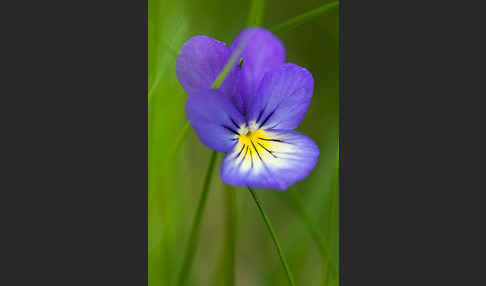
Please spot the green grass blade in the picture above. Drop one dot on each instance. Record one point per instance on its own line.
(274, 237)
(294, 22)
(171, 50)
(333, 212)
(222, 75)
(255, 17)
(231, 234)
(193, 238)
(180, 138)
(224, 272)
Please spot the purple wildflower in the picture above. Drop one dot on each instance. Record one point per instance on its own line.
(252, 115)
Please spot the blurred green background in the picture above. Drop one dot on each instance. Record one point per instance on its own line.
(175, 182)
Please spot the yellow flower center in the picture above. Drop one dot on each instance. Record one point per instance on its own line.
(256, 144)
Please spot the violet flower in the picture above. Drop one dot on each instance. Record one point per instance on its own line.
(252, 115)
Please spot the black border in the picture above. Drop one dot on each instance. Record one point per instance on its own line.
(76, 169)
(410, 79)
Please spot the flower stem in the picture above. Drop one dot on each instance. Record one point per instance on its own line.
(193, 238)
(294, 22)
(327, 264)
(274, 237)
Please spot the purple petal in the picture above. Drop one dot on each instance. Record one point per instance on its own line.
(268, 162)
(262, 52)
(283, 98)
(200, 61)
(214, 118)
